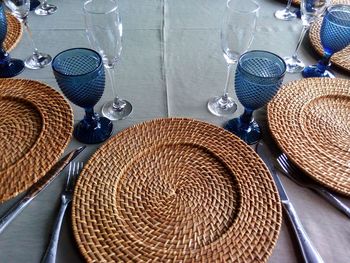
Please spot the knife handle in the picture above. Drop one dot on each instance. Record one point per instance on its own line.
(333, 200)
(13, 212)
(308, 251)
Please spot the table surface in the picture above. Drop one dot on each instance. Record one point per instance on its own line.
(171, 64)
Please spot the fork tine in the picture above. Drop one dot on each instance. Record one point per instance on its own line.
(70, 170)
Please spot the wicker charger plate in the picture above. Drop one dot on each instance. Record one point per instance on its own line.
(14, 32)
(333, 2)
(175, 190)
(341, 59)
(36, 124)
(310, 120)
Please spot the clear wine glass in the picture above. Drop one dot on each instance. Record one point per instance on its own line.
(104, 31)
(237, 33)
(310, 10)
(286, 14)
(335, 35)
(20, 9)
(45, 9)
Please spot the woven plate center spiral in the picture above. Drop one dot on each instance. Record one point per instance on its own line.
(178, 201)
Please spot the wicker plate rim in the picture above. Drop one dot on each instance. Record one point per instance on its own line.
(12, 37)
(272, 123)
(54, 136)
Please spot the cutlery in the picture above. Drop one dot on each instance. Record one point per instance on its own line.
(66, 198)
(294, 173)
(36, 188)
(308, 251)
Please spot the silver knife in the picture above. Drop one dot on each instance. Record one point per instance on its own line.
(308, 251)
(36, 188)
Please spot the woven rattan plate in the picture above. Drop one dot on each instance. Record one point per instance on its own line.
(14, 32)
(310, 120)
(35, 126)
(175, 190)
(340, 59)
(333, 2)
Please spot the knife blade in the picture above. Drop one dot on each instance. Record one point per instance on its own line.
(308, 251)
(37, 187)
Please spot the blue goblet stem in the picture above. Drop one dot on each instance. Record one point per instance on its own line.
(91, 119)
(246, 118)
(323, 64)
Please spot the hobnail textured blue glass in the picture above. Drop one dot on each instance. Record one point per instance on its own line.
(335, 36)
(259, 75)
(80, 75)
(8, 67)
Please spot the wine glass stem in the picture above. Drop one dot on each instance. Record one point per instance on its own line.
(118, 104)
(229, 80)
(25, 22)
(301, 37)
(288, 5)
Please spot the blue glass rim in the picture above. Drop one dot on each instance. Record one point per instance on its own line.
(100, 62)
(241, 68)
(253, 10)
(338, 7)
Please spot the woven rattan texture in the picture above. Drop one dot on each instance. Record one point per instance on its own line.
(36, 124)
(333, 2)
(310, 120)
(340, 59)
(175, 190)
(14, 32)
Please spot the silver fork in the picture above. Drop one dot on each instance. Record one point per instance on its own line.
(66, 198)
(293, 173)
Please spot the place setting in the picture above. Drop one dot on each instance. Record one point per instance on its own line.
(177, 189)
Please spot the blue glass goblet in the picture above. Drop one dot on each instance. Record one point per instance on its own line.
(259, 75)
(80, 75)
(335, 35)
(8, 67)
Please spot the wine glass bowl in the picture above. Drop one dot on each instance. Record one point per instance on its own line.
(80, 75)
(259, 75)
(335, 36)
(237, 33)
(8, 67)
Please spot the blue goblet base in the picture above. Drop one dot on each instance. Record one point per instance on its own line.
(90, 134)
(11, 68)
(315, 72)
(250, 133)
(34, 4)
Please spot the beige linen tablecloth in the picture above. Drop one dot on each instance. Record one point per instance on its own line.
(171, 64)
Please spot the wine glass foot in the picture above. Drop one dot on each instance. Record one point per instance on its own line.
(90, 134)
(37, 61)
(113, 113)
(315, 72)
(285, 15)
(45, 10)
(220, 107)
(251, 134)
(294, 65)
(12, 68)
